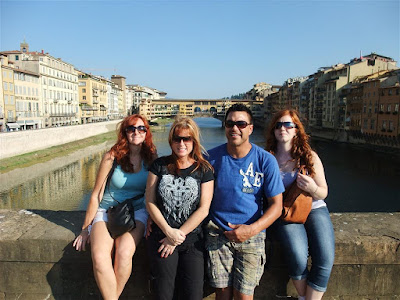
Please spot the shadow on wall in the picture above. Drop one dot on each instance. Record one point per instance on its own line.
(70, 274)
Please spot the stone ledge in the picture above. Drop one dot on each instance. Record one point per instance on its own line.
(36, 250)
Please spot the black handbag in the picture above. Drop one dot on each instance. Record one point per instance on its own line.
(121, 217)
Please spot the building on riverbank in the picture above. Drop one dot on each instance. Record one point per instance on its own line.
(357, 101)
(58, 98)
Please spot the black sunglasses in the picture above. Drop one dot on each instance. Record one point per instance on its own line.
(287, 125)
(239, 124)
(178, 139)
(140, 128)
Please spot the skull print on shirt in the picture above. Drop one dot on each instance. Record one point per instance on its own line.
(179, 195)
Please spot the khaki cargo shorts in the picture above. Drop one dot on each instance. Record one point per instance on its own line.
(240, 265)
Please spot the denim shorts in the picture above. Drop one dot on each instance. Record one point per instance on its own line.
(141, 215)
(240, 265)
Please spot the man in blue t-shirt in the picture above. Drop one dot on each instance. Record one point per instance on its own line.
(235, 240)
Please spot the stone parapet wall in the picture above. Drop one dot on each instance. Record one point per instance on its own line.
(37, 260)
(20, 142)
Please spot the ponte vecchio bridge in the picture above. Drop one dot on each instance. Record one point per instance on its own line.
(156, 108)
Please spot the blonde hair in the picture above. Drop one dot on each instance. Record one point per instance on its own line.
(183, 122)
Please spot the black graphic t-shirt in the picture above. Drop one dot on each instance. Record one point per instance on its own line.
(178, 196)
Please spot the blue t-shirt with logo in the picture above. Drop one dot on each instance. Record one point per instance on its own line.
(241, 183)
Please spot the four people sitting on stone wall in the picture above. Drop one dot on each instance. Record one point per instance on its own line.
(181, 192)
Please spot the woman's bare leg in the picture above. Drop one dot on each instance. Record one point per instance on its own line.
(125, 247)
(101, 248)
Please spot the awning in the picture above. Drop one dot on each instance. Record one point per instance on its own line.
(12, 125)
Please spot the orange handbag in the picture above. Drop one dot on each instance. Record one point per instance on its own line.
(296, 203)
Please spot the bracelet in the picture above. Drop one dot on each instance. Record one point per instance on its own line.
(316, 189)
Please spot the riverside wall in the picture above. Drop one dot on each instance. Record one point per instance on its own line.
(20, 142)
(37, 260)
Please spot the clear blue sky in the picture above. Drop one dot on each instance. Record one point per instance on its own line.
(203, 49)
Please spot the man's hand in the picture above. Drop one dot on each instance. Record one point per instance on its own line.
(148, 227)
(240, 233)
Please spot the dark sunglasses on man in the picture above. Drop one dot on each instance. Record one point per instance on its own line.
(287, 125)
(140, 129)
(239, 124)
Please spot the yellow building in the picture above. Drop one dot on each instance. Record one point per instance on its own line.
(27, 99)
(93, 100)
(8, 97)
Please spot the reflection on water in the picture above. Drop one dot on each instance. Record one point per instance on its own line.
(359, 179)
(62, 189)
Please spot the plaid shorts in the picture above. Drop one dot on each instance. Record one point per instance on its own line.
(240, 265)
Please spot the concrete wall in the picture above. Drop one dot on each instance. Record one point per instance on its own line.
(20, 142)
(37, 260)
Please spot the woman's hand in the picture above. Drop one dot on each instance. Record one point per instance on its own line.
(306, 183)
(175, 236)
(166, 248)
(81, 240)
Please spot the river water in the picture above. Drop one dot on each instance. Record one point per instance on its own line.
(359, 180)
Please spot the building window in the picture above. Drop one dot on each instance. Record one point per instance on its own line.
(381, 108)
(365, 124)
(391, 127)
(372, 124)
(384, 125)
(83, 90)
(16, 57)
(396, 107)
(390, 92)
(389, 107)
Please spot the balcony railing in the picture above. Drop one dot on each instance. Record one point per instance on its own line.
(87, 107)
(62, 114)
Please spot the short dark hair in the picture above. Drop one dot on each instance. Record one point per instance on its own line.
(239, 107)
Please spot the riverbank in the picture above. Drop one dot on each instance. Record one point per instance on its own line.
(41, 156)
(376, 143)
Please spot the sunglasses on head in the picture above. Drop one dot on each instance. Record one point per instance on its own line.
(140, 129)
(179, 139)
(239, 124)
(287, 125)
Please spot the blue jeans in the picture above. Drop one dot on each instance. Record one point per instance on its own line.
(315, 237)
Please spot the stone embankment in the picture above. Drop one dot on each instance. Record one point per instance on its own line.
(20, 142)
(37, 260)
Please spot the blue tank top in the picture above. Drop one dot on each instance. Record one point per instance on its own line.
(288, 178)
(125, 185)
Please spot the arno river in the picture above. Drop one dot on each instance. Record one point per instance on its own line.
(358, 179)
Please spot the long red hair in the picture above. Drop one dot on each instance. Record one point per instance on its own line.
(121, 148)
(301, 151)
